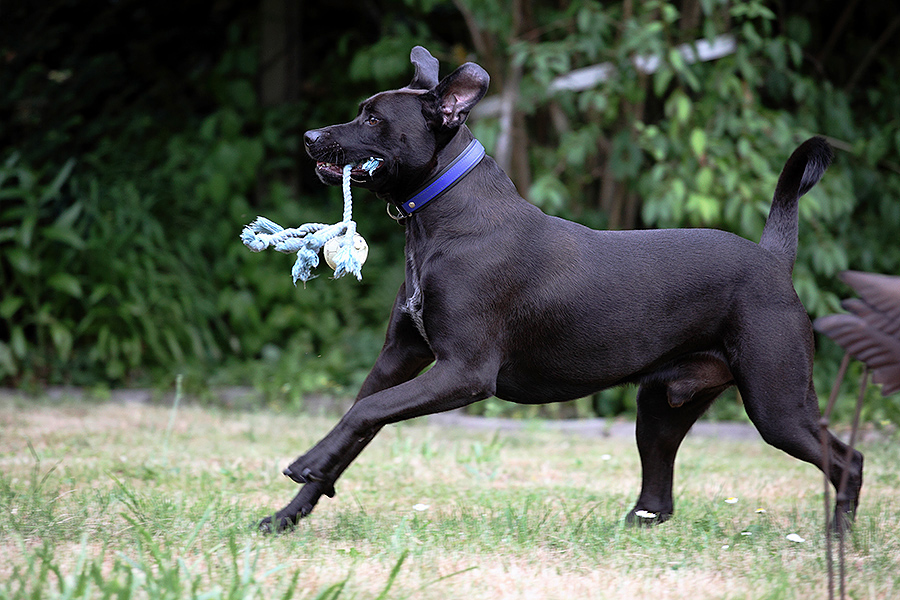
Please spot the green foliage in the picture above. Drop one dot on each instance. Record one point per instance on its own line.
(125, 265)
(39, 241)
(82, 274)
(121, 203)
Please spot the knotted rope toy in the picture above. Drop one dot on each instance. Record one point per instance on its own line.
(345, 250)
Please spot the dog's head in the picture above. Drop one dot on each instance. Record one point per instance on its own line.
(403, 130)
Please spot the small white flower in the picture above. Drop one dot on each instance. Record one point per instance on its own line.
(731, 500)
(746, 533)
(645, 514)
(793, 537)
(421, 507)
(760, 511)
(605, 457)
(725, 547)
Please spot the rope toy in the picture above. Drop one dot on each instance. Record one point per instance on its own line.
(345, 250)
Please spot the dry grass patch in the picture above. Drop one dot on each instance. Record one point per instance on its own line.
(106, 496)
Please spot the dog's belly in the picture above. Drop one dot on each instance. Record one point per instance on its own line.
(549, 379)
(527, 382)
(544, 391)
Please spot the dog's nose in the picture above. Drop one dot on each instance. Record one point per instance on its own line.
(313, 136)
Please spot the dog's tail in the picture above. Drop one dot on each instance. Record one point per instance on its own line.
(802, 171)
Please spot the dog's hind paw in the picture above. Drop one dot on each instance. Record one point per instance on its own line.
(645, 518)
(842, 521)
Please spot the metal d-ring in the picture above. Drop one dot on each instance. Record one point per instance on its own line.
(399, 217)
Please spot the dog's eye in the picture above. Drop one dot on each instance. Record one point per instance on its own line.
(372, 120)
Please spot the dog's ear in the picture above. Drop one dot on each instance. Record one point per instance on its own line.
(426, 76)
(459, 92)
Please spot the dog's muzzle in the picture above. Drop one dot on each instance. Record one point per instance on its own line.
(331, 157)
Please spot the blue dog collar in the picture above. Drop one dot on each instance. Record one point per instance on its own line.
(446, 179)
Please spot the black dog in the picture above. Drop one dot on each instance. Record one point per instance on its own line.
(507, 301)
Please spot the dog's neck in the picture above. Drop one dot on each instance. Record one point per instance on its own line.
(479, 203)
(453, 148)
(442, 158)
(445, 179)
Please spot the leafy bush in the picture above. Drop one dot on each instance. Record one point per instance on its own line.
(39, 241)
(138, 158)
(126, 266)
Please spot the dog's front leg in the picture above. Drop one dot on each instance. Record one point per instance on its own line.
(445, 387)
(302, 504)
(438, 390)
(404, 355)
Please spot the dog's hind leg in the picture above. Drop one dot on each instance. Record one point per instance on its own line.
(776, 386)
(794, 429)
(660, 431)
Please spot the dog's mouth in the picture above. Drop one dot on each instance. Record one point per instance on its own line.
(360, 172)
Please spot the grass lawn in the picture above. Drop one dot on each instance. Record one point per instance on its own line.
(117, 501)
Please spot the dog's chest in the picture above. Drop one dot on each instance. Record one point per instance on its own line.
(414, 297)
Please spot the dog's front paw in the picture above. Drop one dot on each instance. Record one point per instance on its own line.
(273, 524)
(301, 474)
(302, 505)
(286, 519)
(306, 475)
